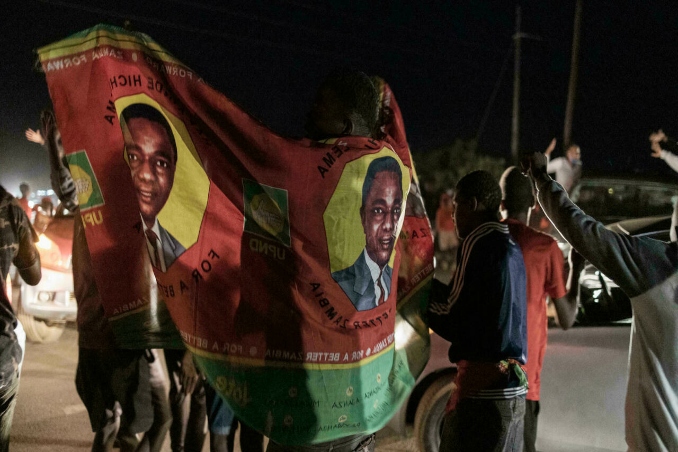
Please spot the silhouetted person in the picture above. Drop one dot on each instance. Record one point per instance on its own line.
(17, 246)
(545, 267)
(482, 312)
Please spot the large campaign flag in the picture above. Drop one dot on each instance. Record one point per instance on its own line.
(295, 271)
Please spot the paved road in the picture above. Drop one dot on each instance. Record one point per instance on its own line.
(582, 397)
(583, 390)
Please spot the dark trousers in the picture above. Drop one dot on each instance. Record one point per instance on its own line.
(223, 427)
(356, 443)
(162, 415)
(189, 412)
(250, 439)
(129, 441)
(7, 403)
(478, 425)
(531, 413)
(115, 387)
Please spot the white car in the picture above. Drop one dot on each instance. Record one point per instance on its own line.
(45, 308)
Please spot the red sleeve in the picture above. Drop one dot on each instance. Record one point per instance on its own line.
(555, 278)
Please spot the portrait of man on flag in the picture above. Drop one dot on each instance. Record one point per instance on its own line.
(367, 282)
(152, 158)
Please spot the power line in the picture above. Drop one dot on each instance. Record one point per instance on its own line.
(190, 29)
(493, 96)
(378, 46)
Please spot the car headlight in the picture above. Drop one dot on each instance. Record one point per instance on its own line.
(590, 281)
(44, 296)
(50, 255)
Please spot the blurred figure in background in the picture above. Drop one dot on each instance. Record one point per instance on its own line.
(445, 231)
(25, 190)
(567, 168)
(664, 148)
(43, 214)
(46, 206)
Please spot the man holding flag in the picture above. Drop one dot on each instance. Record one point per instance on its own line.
(263, 223)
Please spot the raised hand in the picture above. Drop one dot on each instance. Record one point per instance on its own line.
(34, 136)
(551, 147)
(657, 136)
(189, 373)
(656, 149)
(534, 166)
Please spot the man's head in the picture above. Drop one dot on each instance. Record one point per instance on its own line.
(516, 190)
(381, 207)
(346, 103)
(476, 201)
(573, 153)
(25, 189)
(152, 156)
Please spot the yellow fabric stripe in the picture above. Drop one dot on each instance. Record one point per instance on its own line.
(100, 37)
(254, 362)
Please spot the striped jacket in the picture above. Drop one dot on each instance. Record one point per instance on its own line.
(482, 312)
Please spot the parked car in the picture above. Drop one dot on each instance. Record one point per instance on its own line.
(628, 204)
(45, 308)
(609, 199)
(600, 299)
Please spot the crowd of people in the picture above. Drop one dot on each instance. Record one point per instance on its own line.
(492, 310)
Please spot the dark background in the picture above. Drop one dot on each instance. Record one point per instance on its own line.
(442, 59)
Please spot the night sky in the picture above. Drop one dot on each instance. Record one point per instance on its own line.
(443, 63)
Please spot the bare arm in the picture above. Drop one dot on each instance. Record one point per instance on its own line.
(626, 260)
(27, 260)
(567, 306)
(189, 374)
(60, 175)
(32, 274)
(670, 158)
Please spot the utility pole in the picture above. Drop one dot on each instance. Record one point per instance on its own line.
(574, 69)
(515, 125)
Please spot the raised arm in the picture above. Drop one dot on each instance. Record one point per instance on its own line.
(623, 258)
(27, 259)
(34, 136)
(60, 175)
(662, 147)
(567, 306)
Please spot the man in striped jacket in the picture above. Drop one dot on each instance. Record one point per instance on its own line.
(647, 271)
(483, 314)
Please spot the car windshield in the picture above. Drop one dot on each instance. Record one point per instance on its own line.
(613, 200)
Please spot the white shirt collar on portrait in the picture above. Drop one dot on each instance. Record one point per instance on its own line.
(375, 271)
(151, 254)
